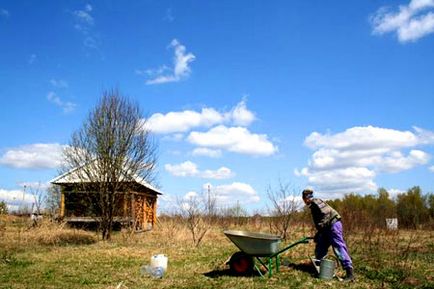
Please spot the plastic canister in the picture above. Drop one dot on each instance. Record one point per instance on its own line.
(159, 260)
(326, 269)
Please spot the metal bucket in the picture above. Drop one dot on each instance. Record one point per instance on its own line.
(326, 269)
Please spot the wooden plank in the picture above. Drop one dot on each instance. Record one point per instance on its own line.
(154, 211)
(62, 204)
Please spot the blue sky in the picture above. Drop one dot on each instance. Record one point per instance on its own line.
(336, 96)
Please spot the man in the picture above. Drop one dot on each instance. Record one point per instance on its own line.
(329, 232)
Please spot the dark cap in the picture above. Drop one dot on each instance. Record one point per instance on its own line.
(307, 194)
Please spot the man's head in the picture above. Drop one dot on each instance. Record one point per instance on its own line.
(307, 196)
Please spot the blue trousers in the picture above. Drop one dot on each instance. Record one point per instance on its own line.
(333, 236)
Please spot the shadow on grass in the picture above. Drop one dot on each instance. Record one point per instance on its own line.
(227, 272)
(304, 267)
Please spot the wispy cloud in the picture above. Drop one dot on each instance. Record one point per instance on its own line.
(179, 71)
(431, 168)
(84, 23)
(411, 22)
(190, 169)
(59, 83)
(169, 16)
(212, 153)
(84, 19)
(349, 161)
(55, 99)
(34, 156)
(32, 58)
(4, 13)
(186, 120)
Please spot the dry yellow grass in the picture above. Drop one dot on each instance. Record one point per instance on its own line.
(36, 258)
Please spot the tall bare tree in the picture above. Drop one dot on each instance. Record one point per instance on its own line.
(284, 204)
(112, 149)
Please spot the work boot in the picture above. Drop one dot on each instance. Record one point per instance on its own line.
(350, 276)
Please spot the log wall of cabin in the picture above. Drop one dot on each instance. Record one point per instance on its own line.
(140, 207)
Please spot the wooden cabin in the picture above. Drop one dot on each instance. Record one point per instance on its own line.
(135, 207)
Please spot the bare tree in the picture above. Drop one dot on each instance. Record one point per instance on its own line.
(284, 204)
(198, 211)
(52, 201)
(38, 194)
(112, 148)
(38, 199)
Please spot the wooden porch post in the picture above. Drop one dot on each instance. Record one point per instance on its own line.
(154, 212)
(62, 203)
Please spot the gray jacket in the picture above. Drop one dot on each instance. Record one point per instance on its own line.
(323, 215)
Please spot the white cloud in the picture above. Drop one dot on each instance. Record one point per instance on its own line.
(219, 174)
(186, 120)
(230, 194)
(343, 180)
(16, 197)
(424, 136)
(363, 138)
(349, 161)
(191, 195)
(225, 195)
(180, 69)
(35, 186)
(66, 106)
(220, 137)
(20, 199)
(234, 139)
(207, 152)
(397, 162)
(393, 193)
(291, 202)
(185, 169)
(431, 168)
(190, 169)
(4, 13)
(35, 156)
(183, 121)
(240, 115)
(411, 22)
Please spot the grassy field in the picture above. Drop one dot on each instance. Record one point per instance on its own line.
(51, 256)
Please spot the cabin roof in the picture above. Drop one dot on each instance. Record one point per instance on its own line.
(72, 177)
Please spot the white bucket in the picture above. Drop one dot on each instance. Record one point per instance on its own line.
(159, 260)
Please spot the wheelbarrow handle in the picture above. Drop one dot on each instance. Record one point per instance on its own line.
(303, 240)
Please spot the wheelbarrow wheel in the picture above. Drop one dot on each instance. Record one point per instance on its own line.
(241, 264)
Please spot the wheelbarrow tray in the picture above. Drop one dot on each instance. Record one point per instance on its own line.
(255, 244)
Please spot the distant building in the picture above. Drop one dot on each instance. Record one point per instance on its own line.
(135, 206)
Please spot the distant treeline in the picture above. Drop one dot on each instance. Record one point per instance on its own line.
(412, 209)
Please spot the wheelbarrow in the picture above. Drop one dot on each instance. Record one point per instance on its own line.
(264, 248)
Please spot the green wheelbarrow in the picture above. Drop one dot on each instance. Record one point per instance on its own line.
(264, 248)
